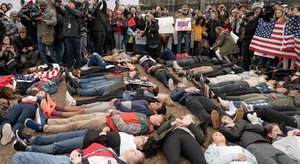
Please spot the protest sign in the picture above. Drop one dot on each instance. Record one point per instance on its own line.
(183, 24)
(166, 25)
(129, 2)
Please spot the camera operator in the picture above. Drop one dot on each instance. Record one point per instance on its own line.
(45, 32)
(24, 15)
(71, 32)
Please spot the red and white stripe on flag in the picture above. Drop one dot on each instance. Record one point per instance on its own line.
(273, 46)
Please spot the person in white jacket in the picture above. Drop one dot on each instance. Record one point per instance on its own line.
(289, 144)
(221, 152)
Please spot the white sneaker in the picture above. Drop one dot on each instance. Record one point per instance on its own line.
(69, 99)
(7, 134)
(254, 119)
(84, 68)
(232, 108)
(224, 103)
(171, 84)
(175, 65)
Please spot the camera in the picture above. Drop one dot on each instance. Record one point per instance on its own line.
(35, 11)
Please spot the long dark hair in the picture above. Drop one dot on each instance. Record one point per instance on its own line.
(198, 21)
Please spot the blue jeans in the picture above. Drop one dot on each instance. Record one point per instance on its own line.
(60, 143)
(73, 52)
(167, 54)
(187, 36)
(60, 50)
(42, 51)
(96, 59)
(95, 84)
(96, 90)
(181, 62)
(17, 116)
(92, 79)
(38, 158)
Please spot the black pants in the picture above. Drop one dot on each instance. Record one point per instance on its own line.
(95, 72)
(228, 87)
(274, 115)
(163, 77)
(178, 142)
(242, 91)
(201, 107)
(247, 54)
(99, 41)
(107, 97)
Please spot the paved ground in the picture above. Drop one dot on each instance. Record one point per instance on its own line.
(6, 152)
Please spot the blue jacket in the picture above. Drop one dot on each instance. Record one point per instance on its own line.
(179, 94)
(139, 106)
(212, 157)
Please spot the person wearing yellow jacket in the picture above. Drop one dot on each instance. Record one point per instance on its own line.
(199, 28)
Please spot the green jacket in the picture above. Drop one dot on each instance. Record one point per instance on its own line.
(226, 44)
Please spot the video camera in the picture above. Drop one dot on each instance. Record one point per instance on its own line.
(32, 11)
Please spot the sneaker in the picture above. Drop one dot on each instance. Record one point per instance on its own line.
(29, 123)
(72, 91)
(40, 117)
(175, 65)
(245, 106)
(206, 90)
(69, 99)
(197, 84)
(171, 84)
(214, 116)
(18, 146)
(7, 134)
(239, 114)
(23, 138)
(224, 103)
(254, 119)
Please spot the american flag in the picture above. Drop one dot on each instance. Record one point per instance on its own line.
(269, 40)
(291, 42)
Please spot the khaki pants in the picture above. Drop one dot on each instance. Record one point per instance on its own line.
(253, 97)
(93, 121)
(97, 107)
(202, 69)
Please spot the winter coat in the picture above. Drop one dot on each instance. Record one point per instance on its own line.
(226, 44)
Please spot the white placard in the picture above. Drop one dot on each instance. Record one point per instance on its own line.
(111, 4)
(129, 2)
(166, 25)
(183, 24)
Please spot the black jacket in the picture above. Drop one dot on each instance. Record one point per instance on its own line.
(100, 22)
(71, 18)
(20, 43)
(211, 29)
(152, 34)
(244, 133)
